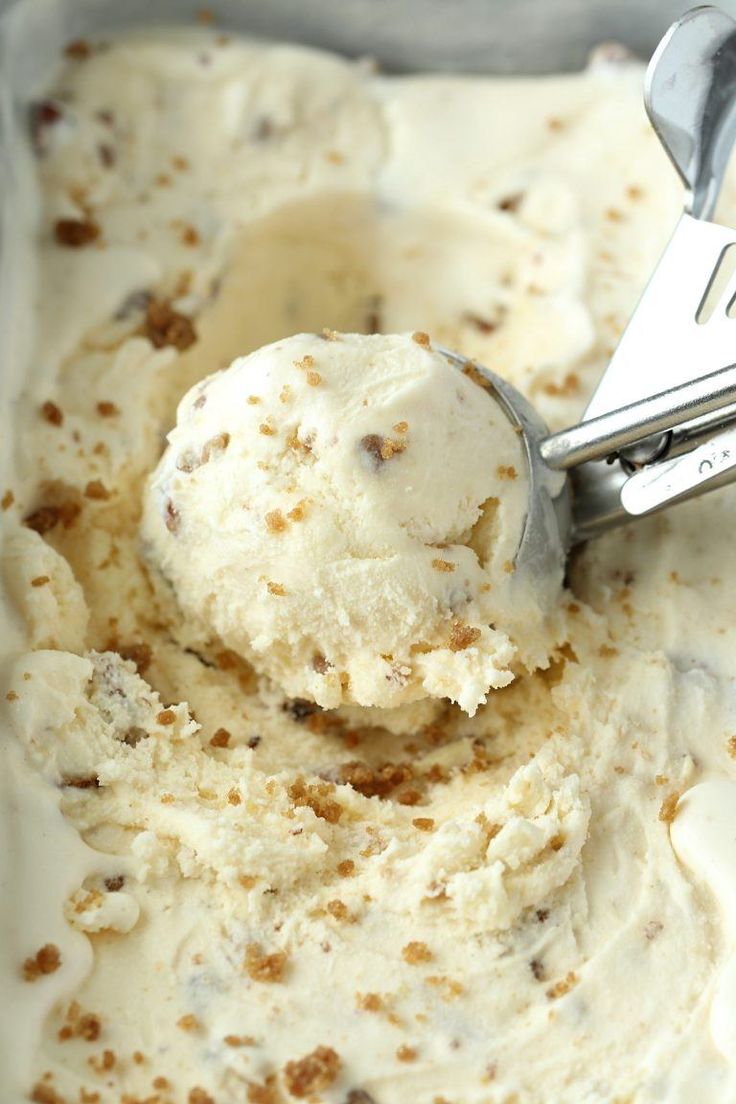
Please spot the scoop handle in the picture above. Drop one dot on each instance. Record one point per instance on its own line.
(690, 97)
(610, 434)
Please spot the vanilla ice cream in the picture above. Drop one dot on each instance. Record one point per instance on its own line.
(223, 880)
(344, 512)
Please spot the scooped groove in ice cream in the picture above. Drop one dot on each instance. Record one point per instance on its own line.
(344, 511)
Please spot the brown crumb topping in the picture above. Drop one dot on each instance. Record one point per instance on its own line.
(314, 378)
(569, 386)
(421, 338)
(140, 654)
(265, 1092)
(380, 449)
(40, 580)
(506, 471)
(483, 325)
(264, 967)
(239, 1041)
(46, 518)
(473, 372)
(374, 781)
(51, 413)
(277, 589)
(43, 1093)
(731, 745)
(313, 1073)
(107, 409)
(298, 512)
(115, 884)
(275, 521)
(406, 1053)
(221, 738)
(537, 969)
(318, 797)
(165, 326)
(171, 516)
(668, 808)
(78, 48)
(415, 953)
(76, 233)
(80, 1025)
(7, 500)
(188, 1022)
(166, 717)
(340, 911)
(563, 986)
(47, 960)
(104, 1062)
(462, 636)
(443, 565)
(81, 782)
(423, 824)
(97, 490)
(448, 988)
(214, 446)
(346, 868)
(370, 1002)
(199, 1096)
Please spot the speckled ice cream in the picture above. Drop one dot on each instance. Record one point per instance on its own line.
(344, 512)
(216, 891)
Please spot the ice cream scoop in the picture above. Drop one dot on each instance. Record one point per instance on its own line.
(345, 511)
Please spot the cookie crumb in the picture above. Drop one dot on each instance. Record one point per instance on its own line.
(313, 1073)
(264, 967)
(47, 960)
(462, 636)
(51, 413)
(221, 738)
(76, 233)
(563, 986)
(188, 1022)
(165, 326)
(275, 521)
(668, 808)
(107, 409)
(97, 490)
(415, 953)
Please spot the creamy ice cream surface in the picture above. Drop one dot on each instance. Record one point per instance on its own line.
(344, 512)
(255, 848)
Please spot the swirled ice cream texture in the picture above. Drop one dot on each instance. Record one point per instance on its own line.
(344, 511)
(222, 891)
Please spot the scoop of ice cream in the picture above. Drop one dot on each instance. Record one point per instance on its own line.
(344, 512)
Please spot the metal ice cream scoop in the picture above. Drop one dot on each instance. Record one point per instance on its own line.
(661, 426)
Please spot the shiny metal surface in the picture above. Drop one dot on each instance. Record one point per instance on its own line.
(546, 536)
(613, 433)
(672, 343)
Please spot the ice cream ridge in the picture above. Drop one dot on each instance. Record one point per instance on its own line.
(343, 511)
